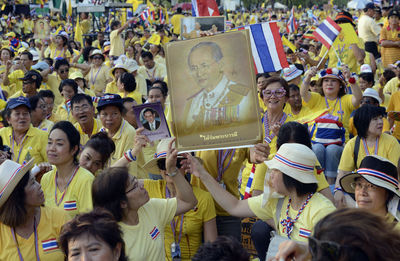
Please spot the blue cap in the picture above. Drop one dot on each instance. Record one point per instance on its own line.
(15, 102)
(109, 99)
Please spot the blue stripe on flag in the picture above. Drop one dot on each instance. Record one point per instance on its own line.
(327, 31)
(262, 48)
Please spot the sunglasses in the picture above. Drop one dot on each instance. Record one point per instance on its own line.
(64, 71)
(279, 93)
(161, 163)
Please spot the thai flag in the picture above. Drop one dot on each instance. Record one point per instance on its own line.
(162, 17)
(70, 205)
(377, 2)
(304, 232)
(292, 25)
(249, 182)
(327, 32)
(145, 14)
(195, 9)
(154, 233)
(50, 244)
(266, 47)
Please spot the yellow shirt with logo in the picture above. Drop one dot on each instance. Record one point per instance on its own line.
(48, 232)
(193, 220)
(97, 79)
(229, 177)
(78, 195)
(316, 209)
(84, 137)
(46, 125)
(33, 146)
(388, 147)
(145, 241)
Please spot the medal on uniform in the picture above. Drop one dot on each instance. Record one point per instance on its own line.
(175, 252)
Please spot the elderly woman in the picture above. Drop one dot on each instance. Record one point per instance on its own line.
(292, 175)
(28, 229)
(98, 76)
(94, 236)
(368, 121)
(26, 142)
(339, 106)
(188, 230)
(376, 188)
(142, 219)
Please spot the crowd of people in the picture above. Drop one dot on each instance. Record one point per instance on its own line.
(79, 180)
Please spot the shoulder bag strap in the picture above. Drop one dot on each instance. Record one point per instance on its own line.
(356, 148)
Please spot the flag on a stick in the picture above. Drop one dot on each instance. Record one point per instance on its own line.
(327, 32)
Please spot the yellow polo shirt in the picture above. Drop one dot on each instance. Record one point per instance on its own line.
(159, 71)
(78, 195)
(46, 125)
(392, 86)
(33, 146)
(84, 137)
(53, 81)
(112, 87)
(136, 95)
(193, 220)
(14, 78)
(116, 43)
(97, 79)
(316, 209)
(64, 113)
(48, 232)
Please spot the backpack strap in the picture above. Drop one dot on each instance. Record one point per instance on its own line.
(356, 149)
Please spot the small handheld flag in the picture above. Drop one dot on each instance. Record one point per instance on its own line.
(327, 32)
(292, 25)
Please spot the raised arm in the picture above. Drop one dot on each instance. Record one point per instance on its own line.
(304, 90)
(235, 207)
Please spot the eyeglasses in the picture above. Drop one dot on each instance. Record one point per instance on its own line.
(323, 250)
(64, 71)
(43, 106)
(359, 186)
(135, 185)
(279, 93)
(83, 107)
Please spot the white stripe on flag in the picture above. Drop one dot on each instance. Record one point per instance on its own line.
(333, 29)
(256, 58)
(323, 35)
(269, 38)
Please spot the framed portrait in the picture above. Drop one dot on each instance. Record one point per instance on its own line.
(214, 101)
(151, 117)
(192, 27)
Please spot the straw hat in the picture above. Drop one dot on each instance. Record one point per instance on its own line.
(118, 66)
(10, 174)
(376, 170)
(76, 75)
(161, 153)
(296, 161)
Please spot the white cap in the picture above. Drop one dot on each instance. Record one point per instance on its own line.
(365, 68)
(369, 92)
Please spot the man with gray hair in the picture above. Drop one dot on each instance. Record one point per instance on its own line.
(220, 100)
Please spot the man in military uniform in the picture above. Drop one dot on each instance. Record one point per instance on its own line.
(220, 101)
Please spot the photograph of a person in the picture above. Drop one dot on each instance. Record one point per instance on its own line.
(151, 119)
(213, 95)
(194, 27)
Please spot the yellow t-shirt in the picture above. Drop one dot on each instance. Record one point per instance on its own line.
(112, 87)
(14, 78)
(394, 105)
(176, 23)
(136, 95)
(33, 146)
(116, 44)
(294, 117)
(392, 86)
(48, 232)
(53, 81)
(388, 147)
(141, 85)
(54, 53)
(64, 113)
(78, 196)
(159, 71)
(145, 241)
(97, 79)
(230, 176)
(316, 209)
(353, 130)
(46, 125)
(341, 107)
(193, 220)
(84, 137)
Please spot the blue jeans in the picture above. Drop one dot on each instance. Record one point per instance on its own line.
(328, 157)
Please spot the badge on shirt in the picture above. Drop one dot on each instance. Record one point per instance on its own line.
(70, 205)
(50, 244)
(304, 233)
(154, 233)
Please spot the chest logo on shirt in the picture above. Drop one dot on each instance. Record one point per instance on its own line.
(304, 233)
(70, 205)
(50, 244)
(154, 233)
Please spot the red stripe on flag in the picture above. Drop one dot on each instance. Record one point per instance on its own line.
(335, 25)
(278, 44)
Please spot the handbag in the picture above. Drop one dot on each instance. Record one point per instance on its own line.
(327, 130)
(276, 239)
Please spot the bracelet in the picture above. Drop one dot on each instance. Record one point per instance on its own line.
(173, 174)
(128, 156)
(337, 189)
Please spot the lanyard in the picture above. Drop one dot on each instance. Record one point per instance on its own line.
(173, 224)
(151, 76)
(366, 147)
(95, 77)
(65, 190)
(55, 53)
(36, 241)
(340, 111)
(20, 150)
(222, 155)
(268, 138)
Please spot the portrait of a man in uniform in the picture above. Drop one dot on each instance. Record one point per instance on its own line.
(220, 100)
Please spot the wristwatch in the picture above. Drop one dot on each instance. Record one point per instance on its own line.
(173, 174)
